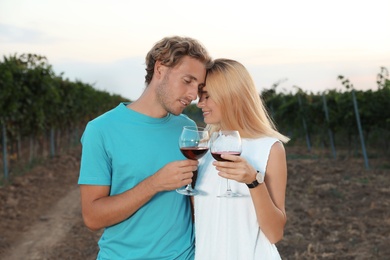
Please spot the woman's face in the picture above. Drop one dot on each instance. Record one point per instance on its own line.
(211, 111)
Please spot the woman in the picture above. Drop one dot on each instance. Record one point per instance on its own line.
(246, 227)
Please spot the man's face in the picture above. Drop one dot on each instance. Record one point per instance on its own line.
(179, 85)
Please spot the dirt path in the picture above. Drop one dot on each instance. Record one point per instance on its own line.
(42, 237)
(40, 215)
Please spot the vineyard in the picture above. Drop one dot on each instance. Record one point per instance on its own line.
(338, 163)
(356, 122)
(41, 112)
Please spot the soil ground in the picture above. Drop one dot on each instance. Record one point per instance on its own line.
(336, 210)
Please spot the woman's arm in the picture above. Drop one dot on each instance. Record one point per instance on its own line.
(268, 197)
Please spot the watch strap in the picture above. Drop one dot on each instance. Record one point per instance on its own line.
(253, 184)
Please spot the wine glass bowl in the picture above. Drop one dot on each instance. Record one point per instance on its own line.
(193, 143)
(226, 142)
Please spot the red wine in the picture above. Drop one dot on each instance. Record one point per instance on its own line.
(194, 153)
(217, 155)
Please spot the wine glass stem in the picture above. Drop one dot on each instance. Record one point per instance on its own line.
(228, 189)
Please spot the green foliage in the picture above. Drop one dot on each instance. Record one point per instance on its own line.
(193, 112)
(288, 110)
(34, 100)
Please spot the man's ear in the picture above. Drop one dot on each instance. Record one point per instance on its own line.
(159, 69)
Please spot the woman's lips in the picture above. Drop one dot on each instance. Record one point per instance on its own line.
(205, 113)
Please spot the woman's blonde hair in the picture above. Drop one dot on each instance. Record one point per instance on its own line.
(231, 87)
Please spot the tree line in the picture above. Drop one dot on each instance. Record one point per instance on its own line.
(42, 112)
(36, 105)
(355, 121)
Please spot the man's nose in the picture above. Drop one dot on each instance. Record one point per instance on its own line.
(193, 94)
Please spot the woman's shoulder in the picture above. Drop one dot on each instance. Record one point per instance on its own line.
(264, 140)
(261, 146)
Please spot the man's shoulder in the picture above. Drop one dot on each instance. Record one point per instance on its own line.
(106, 116)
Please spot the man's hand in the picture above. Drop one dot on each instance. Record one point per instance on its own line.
(174, 175)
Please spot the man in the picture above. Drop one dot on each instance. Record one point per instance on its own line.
(131, 163)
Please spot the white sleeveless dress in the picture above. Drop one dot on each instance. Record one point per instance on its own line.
(227, 228)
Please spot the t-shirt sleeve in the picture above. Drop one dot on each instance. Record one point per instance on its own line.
(95, 168)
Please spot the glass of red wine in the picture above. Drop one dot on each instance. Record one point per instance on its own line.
(226, 142)
(193, 143)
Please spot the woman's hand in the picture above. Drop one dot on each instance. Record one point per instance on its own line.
(236, 168)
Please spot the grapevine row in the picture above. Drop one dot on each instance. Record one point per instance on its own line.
(35, 104)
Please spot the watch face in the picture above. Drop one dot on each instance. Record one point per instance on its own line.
(259, 177)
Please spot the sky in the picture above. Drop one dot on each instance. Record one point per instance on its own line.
(302, 44)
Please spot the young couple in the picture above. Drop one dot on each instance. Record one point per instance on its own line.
(131, 165)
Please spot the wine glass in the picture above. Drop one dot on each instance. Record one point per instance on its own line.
(193, 143)
(226, 142)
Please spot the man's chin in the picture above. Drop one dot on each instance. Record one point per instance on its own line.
(176, 112)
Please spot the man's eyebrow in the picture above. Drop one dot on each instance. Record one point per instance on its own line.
(191, 76)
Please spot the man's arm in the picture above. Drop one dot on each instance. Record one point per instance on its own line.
(101, 210)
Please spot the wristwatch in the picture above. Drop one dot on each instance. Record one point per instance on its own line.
(259, 180)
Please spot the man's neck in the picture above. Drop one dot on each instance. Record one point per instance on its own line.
(148, 105)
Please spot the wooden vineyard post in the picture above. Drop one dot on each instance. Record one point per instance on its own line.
(330, 133)
(5, 162)
(349, 85)
(52, 142)
(304, 125)
(355, 105)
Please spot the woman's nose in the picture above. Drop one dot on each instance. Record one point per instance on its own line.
(200, 103)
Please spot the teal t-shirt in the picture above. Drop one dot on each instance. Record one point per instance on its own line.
(120, 149)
